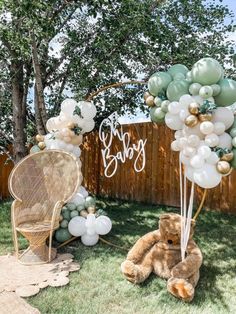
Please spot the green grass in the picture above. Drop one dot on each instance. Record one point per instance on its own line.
(99, 286)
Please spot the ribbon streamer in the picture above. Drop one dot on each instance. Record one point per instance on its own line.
(186, 215)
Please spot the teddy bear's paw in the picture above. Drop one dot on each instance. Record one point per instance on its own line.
(129, 269)
(181, 289)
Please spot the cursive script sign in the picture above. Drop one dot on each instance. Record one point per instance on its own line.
(107, 132)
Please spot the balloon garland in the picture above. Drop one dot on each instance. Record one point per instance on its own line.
(199, 105)
(79, 216)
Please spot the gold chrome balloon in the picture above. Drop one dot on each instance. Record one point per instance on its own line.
(150, 101)
(83, 213)
(223, 167)
(71, 125)
(146, 95)
(41, 145)
(227, 157)
(193, 108)
(39, 138)
(91, 210)
(205, 117)
(191, 121)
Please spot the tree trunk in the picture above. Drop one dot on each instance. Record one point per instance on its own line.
(40, 109)
(19, 112)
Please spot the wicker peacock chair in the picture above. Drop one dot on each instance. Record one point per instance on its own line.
(41, 183)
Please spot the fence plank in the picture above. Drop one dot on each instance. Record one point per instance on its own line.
(158, 183)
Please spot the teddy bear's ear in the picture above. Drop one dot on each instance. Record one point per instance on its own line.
(165, 216)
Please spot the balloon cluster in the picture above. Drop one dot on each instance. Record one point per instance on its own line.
(66, 130)
(79, 217)
(199, 105)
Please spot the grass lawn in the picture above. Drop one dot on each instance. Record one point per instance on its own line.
(99, 286)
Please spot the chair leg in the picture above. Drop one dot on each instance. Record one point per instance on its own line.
(15, 241)
(50, 246)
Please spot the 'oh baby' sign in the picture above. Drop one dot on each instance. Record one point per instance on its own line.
(136, 151)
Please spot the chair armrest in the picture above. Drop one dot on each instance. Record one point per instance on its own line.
(56, 213)
(15, 207)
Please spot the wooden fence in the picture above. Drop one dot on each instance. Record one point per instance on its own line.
(158, 183)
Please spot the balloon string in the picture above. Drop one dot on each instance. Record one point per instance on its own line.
(100, 238)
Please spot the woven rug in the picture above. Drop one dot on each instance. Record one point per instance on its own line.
(19, 280)
(11, 303)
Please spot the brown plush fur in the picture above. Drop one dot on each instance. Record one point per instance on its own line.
(159, 252)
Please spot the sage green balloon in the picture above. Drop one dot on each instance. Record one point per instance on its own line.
(206, 92)
(64, 223)
(178, 68)
(216, 89)
(189, 77)
(227, 95)
(90, 201)
(74, 213)
(176, 89)
(233, 162)
(164, 105)
(158, 82)
(233, 132)
(34, 149)
(71, 206)
(195, 88)
(207, 71)
(157, 115)
(62, 235)
(80, 207)
(66, 214)
(179, 76)
(157, 101)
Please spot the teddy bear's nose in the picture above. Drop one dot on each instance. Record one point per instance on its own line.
(170, 241)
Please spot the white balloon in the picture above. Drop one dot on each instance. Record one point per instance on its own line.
(175, 146)
(206, 127)
(88, 126)
(183, 141)
(174, 107)
(184, 159)
(186, 100)
(89, 240)
(212, 140)
(189, 151)
(77, 226)
(224, 115)
(178, 134)
(197, 161)
(68, 107)
(225, 141)
(219, 128)
(103, 225)
(204, 151)
(76, 151)
(189, 171)
(83, 191)
(88, 110)
(195, 130)
(212, 159)
(183, 114)
(207, 177)
(77, 199)
(50, 124)
(193, 140)
(90, 221)
(173, 121)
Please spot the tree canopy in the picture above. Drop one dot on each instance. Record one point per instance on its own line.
(52, 49)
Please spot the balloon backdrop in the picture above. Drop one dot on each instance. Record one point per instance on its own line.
(79, 216)
(198, 104)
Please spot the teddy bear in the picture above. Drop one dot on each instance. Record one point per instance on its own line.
(159, 252)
